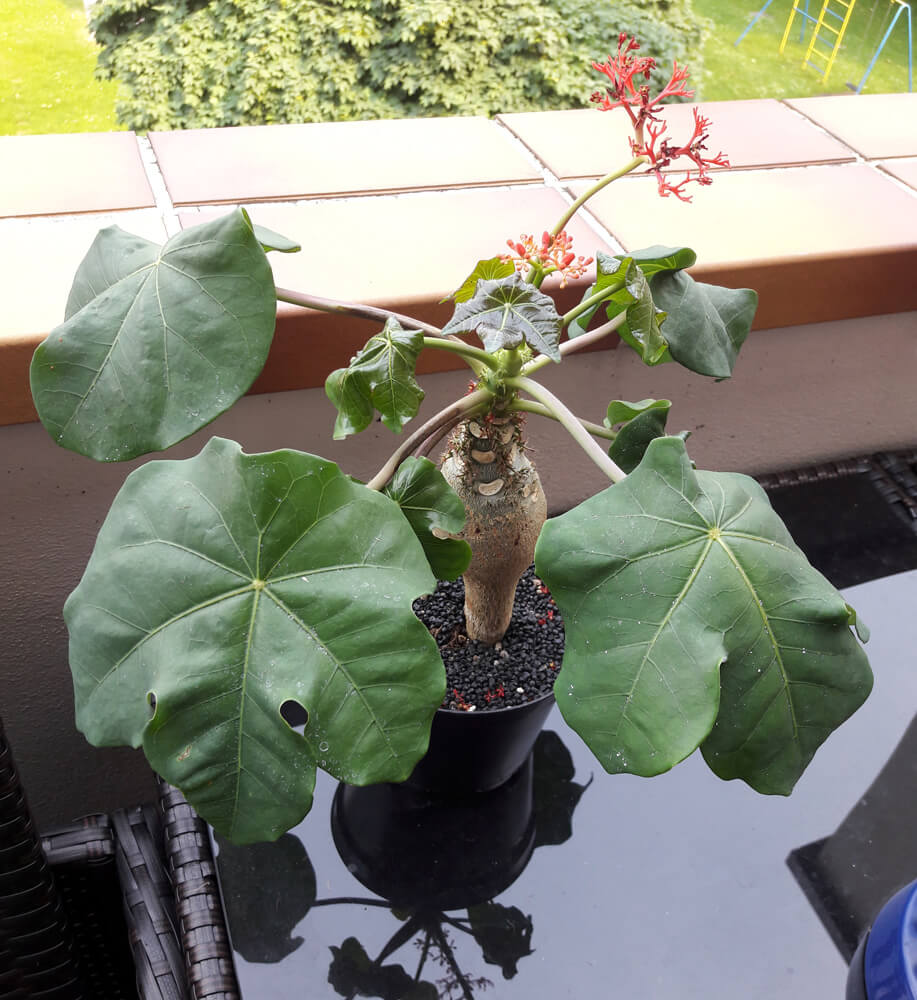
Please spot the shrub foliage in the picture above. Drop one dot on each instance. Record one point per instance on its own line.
(207, 63)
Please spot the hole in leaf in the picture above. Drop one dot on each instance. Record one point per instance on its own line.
(151, 700)
(294, 715)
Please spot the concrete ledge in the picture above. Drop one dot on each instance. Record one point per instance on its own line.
(819, 214)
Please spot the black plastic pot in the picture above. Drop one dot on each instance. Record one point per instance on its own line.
(417, 849)
(479, 751)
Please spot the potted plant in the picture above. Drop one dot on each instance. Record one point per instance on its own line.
(223, 586)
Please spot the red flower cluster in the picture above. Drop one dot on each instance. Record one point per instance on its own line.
(660, 152)
(623, 93)
(553, 254)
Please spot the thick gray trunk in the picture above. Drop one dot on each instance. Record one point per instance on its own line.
(505, 505)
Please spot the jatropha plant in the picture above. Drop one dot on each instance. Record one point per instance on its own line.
(227, 584)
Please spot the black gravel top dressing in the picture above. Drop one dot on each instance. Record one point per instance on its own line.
(517, 670)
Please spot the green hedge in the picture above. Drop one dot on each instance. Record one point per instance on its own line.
(206, 63)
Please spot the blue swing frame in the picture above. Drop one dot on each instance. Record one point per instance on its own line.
(756, 17)
(903, 7)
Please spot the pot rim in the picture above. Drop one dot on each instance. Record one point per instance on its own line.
(498, 711)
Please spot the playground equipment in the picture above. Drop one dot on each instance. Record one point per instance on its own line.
(903, 7)
(827, 32)
(756, 17)
(830, 26)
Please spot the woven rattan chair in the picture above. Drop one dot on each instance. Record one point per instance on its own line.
(87, 911)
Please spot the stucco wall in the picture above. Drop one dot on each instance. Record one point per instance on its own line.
(800, 394)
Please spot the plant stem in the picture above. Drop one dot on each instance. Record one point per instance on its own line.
(425, 447)
(571, 422)
(469, 353)
(596, 430)
(401, 937)
(578, 343)
(423, 956)
(604, 182)
(595, 299)
(457, 924)
(463, 407)
(359, 310)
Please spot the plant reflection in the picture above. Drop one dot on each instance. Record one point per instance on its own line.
(425, 857)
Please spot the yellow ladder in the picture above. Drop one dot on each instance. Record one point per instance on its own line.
(830, 26)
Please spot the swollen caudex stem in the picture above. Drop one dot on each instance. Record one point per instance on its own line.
(505, 510)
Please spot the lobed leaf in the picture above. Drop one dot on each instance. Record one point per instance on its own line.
(692, 619)
(641, 423)
(270, 240)
(380, 377)
(485, 270)
(627, 290)
(433, 509)
(641, 329)
(224, 585)
(507, 312)
(707, 324)
(157, 341)
(611, 269)
(656, 259)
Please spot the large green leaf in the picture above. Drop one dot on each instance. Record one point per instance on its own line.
(707, 324)
(640, 423)
(486, 270)
(685, 603)
(227, 584)
(433, 509)
(158, 341)
(380, 377)
(506, 312)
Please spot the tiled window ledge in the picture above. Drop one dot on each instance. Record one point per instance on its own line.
(818, 212)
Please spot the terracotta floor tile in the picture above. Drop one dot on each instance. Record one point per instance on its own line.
(588, 143)
(34, 298)
(875, 125)
(408, 247)
(755, 215)
(856, 225)
(87, 172)
(337, 158)
(405, 252)
(905, 169)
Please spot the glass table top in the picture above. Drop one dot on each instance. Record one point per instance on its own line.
(575, 883)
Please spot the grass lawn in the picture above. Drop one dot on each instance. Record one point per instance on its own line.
(756, 69)
(47, 84)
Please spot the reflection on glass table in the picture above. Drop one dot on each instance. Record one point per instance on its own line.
(420, 859)
(575, 883)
